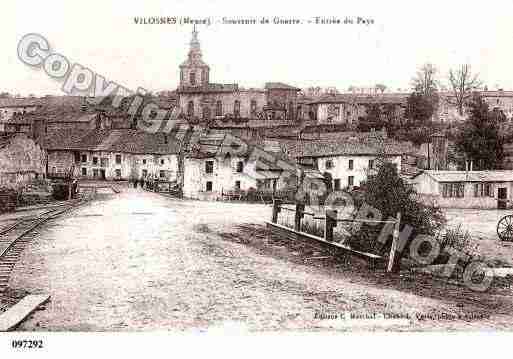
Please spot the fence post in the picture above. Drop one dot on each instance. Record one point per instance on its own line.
(395, 239)
(276, 210)
(300, 207)
(330, 222)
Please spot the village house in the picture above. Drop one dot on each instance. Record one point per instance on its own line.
(347, 161)
(21, 160)
(466, 189)
(213, 167)
(350, 109)
(10, 107)
(104, 154)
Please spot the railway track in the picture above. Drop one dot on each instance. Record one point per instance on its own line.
(15, 237)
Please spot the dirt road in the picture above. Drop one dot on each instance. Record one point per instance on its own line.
(141, 261)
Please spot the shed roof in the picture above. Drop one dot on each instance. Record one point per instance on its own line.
(469, 176)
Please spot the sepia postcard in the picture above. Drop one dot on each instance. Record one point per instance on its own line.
(175, 175)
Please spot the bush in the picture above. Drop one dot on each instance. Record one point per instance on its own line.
(455, 238)
(387, 192)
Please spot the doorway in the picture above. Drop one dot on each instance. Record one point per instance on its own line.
(502, 198)
(102, 174)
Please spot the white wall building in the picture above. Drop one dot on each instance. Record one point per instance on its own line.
(466, 189)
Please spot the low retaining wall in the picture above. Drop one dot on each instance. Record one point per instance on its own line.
(319, 243)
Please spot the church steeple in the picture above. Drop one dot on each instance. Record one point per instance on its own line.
(194, 72)
(195, 44)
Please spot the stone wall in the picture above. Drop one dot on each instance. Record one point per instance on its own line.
(21, 160)
(209, 100)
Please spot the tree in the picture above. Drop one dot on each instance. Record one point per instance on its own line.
(381, 87)
(419, 109)
(423, 101)
(5, 95)
(389, 194)
(372, 119)
(463, 83)
(425, 81)
(480, 138)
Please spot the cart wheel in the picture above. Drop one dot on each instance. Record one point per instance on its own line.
(505, 228)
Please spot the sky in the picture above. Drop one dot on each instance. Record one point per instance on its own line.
(102, 35)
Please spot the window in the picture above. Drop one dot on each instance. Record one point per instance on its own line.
(77, 157)
(329, 164)
(192, 78)
(190, 108)
(209, 167)
(350, 181)
(95, 172)
(371, 164)
(236, 108)
(162, 174)
(219, 108)
(483, 190)
(144, 161)
(206, 112)
(118, 159)
(240, 166)
(336, 184)
(104, 162)
(144, 173)
(291, 111)
(83, 158)
(253, 107)
(209, 186)
(237, 185)
(351, 164)
(118, 173)
(84, 171)
(95, 161)
(453, 190)
(162, 161)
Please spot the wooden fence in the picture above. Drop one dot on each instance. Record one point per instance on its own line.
(331, 220)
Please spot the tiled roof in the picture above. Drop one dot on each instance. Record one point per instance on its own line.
(280, 86)
(68, 117)
(470, 176)
(363, 99)
(124, 141)
(251, 123)
(209, 143)
(19, 102)
(322, 148)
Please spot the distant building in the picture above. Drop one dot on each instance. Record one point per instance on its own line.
(21, 160)
(466, 189)
(200, 100)
(350, 109)
(499, 100)
(349, 162)
(10, 107)
(105, 154)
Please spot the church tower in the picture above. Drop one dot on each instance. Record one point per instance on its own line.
(193, 71)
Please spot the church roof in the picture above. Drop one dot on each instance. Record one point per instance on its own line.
(280, 86)
(211, 87)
